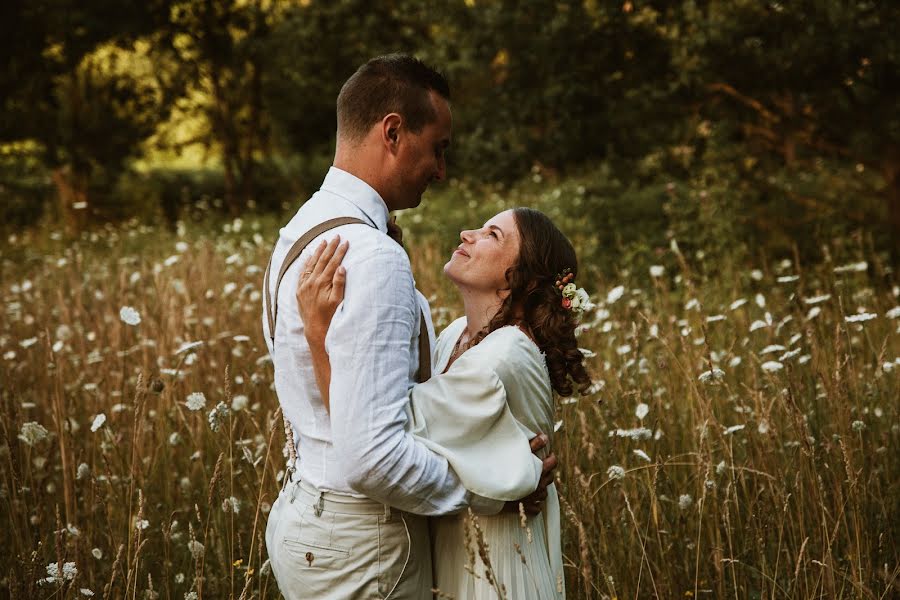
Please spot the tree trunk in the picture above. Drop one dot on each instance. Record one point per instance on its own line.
(72, 194)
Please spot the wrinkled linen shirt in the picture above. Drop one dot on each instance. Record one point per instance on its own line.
(363, 448)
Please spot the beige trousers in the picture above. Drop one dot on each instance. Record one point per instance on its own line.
(326, 545)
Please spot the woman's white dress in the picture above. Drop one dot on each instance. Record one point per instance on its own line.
(480, 415)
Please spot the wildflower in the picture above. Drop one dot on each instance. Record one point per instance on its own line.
(813, 313)
(763, 427)
(196, 401)
(657, 270)
(97, 553)
(789, 354)
(737, 304)
(99, 420)
(69, 571)
(83, 472)
(188, 346)
(141, 524)
(86, 592)
(760, 300)
(29, 342)
(685, 501)
(721, 468)
(615, 294)
(217, 415)
(623, 349)
(557, 426)
(758, 325)
(817, 299)
(129, 315)
(888, 367)
(641, 411)
(788, 278)
(231, 504)
(642, 454)
(858, 426)
(190, 596)
(893, 313)
(179, 578)
(714, 376)
(239, 403)
(772, 348)
(771, 366)
(32, 433)
(859, 318)
(197, 549)
(171, 260)
(692, 304)
(715, 318)
(637, 433)
(615, 472)
(735, 361)
(734, 429)
(181, 247)
(857, 267)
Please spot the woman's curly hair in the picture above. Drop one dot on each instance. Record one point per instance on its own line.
(535, 302)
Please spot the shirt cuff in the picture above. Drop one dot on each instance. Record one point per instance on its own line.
(484, 506)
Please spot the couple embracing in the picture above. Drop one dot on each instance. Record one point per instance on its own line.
(401, 437)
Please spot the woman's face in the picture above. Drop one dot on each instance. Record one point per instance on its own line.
(484, 255)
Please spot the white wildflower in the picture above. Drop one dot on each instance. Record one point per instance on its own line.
(758, 325)
(141, 524)
(97, 553)
(54, 577)
(641, 411)
(623, 349)
(637, 433)
(231, 504)
(817, 299)
(614, 294)
(685, 501)
(756, 275)
(129, 315)
(857, 267)
(763, 427)
(760, 300)
(813, 313)
(721, 468)
(642, 454)
(790, 354)
(174, 438)
(29, 342)
(772, 348)
(557, 426)
(657, 270)
(197, 549)
(788, 278)
(735, 361)
(217, 415)
(615, 472)
(861, 317)
(98, 422)
(771, 366)
(714, 376)
(190, 596)
(737, 304)
(32, 433)
(187, 346)
(87, 592)
(83, 471)
(893, 313)
(858, 426)
(692, 304)
(196, 401)
(734, 429)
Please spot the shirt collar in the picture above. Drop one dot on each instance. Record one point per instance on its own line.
(359, 193)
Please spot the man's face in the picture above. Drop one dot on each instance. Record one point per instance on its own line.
(420, 157)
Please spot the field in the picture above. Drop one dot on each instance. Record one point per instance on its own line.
(741, 439)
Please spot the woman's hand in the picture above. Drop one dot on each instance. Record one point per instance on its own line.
(321, 289)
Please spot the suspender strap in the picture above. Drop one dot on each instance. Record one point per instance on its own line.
(424, 373)
(292, 255)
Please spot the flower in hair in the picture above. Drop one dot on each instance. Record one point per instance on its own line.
(574, 299)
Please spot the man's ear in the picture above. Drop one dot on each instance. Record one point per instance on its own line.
(391, 126)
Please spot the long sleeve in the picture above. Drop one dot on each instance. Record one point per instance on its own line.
(369, 344)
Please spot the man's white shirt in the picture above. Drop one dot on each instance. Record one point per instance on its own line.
(362, 448)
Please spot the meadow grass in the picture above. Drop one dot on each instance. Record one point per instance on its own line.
(740, 439)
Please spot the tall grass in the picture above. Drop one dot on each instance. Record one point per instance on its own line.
(740, 440)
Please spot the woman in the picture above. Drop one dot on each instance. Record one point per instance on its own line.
(497, 370)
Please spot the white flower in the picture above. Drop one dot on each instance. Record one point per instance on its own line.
(817, 299)
(623, 349)
(231, 504)
(86, 592)
(735, 361)
(893, 313)
(615, 472)
(813, 313)
(217, 415)
(714, 376)
(642, 454)
(29, 342)
(771, 366)
(772, 348)
(129, 315)
(760, 300)
(758, 325)
(657, 270)
(788, 278)
(857, 267)
(721, 467)
(83, 472)
(141, 524)
(641, 411)
(637, 433)
(99, 420)
(737, 304)
(615, 293)
(97, 553)
(715, 318)
(756, 275)
(239, 403)
(763, 427)
(860, 317)
(32, 433)
(187, 346)
(190, 596)
(197, 549)
(789, 354)
(196, 401)
(685, 501)
(69, 571)
(734, 429)
(858, 426)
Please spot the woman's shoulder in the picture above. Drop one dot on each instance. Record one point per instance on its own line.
(512, 352)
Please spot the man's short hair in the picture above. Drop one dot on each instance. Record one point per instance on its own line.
(395, 83)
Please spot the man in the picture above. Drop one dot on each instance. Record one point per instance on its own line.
(349, 523)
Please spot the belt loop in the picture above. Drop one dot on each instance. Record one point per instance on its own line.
(387, 512)
(294, 488)
(320, 504)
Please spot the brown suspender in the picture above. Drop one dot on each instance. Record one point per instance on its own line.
(424, 372)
